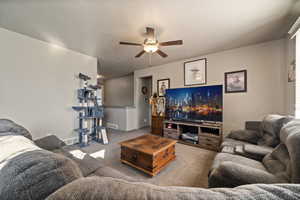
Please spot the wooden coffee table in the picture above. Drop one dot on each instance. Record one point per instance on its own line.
(148, 153)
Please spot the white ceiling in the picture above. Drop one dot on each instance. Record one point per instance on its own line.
(95, 27)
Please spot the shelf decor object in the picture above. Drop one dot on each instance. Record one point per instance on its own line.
(90, 111)
(162, 85)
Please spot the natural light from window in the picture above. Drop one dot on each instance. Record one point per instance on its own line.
(78, 154)
(98, 154)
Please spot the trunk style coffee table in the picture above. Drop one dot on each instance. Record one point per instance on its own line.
(148, 153)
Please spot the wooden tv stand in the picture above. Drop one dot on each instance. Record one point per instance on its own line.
(209, 133)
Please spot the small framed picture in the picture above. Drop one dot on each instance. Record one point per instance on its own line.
(236, 81)
(195, 72)
(162, 85)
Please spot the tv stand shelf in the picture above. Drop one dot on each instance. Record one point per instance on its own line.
(206, 135)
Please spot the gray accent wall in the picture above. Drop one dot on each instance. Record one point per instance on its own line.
(119, 91)
(266, 67)
(38, 84)
(118, 101)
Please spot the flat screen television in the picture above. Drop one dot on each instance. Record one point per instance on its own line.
(195, 104)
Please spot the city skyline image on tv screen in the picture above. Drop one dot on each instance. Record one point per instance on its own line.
(195, 103)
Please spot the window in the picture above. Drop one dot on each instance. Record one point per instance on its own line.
(295, 32)
(297, 111)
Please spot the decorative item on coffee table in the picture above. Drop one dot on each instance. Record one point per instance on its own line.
(148, 153)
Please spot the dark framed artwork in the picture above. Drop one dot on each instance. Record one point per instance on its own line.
(195, 72)
(162, 85)
(236, 81)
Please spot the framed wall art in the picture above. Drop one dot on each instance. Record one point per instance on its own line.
(195, 72)
(236, 81)
(292, 72)
(162, 85)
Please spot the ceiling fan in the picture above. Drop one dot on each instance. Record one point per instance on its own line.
(151, 45)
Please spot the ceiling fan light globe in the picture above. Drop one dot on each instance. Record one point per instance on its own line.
(150, 48)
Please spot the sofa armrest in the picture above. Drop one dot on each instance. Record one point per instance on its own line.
(230, 174)
(107, 171)
(95, 188)
(50, 143)
(253, 125)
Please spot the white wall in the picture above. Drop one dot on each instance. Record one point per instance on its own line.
(120, 118)
(119, 91)
(265, 64)
(38, 84)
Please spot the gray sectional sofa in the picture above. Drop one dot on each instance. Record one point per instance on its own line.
(30, 172)
(268, 153)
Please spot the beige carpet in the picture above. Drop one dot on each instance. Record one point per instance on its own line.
(189, 169)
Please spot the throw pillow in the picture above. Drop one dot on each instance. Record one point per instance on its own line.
(250, 136)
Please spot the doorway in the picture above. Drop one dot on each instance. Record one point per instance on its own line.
(145, 91)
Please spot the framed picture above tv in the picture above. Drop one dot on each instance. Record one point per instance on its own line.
(236, 81)
(195, 72)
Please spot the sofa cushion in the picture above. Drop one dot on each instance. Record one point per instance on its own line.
(273, 165)
(30, 173)
(250, 136)
(223, 157)
(8, 127)
(95, 188)
(50, 143)
(278, 162)
(271, 126)
(86, 163)
(230, 174)
(256, 152)
(232, 142)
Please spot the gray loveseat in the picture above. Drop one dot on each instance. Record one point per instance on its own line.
(28, 172)
(279, 165)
